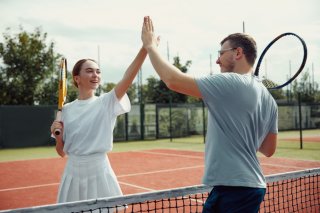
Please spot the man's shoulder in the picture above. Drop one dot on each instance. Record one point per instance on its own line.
(219, 77)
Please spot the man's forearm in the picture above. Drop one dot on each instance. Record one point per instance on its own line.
(167, 72)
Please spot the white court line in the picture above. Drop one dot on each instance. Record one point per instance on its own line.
(161, 171)
(136, 186)
(119, 176)
(153, 190)
(145, 173)
(141, 173)
(168, 154)
(29, 187)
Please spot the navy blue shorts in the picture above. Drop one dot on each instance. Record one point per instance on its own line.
(227, 199)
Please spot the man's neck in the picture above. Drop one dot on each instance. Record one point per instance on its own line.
(244, 72)
(243, 68)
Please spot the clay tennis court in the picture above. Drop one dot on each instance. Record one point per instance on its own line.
(315, 139)
(35, 182)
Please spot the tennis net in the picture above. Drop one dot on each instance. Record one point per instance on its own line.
(297, 191)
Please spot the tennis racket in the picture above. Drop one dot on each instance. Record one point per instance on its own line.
(283, 62)
(62, 90)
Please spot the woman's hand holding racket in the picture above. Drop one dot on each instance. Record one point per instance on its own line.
(57, 125)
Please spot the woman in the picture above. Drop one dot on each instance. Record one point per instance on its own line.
(86, 132)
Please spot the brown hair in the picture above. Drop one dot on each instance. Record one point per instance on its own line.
(77, 67)
(246, 42)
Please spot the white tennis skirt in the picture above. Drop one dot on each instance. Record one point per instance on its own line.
(88, 177)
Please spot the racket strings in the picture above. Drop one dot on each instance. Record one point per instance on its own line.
(269, 84)
(275, 56)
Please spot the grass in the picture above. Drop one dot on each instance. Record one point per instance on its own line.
(190, 143)
(296, 134)
(310, 151)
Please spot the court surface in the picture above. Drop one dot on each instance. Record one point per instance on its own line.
(35, 182)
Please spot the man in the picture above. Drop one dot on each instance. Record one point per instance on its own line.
(242, 119)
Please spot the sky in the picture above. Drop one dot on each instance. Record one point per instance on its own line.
(109, 31)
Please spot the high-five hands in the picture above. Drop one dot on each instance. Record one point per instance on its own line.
(147, 36)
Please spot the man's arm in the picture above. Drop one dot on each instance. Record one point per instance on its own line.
(269, 144)
(169, 74)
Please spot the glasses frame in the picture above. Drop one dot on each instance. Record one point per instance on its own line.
(221, 52)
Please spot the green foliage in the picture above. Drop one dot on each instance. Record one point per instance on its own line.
(48, 92)
(307, 88)
(291, 150)
(151, 90)
(119, 129)
(134, 128)
(278, 94)
(191, 99)
(183, 68)
(27, 70)
(131, 92)
(107, 87)
(72, 90)
(158, 92)
(167, 94)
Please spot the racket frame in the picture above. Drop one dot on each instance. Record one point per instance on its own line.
(305, 55)
(62, 91)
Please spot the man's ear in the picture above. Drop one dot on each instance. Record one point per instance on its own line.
(239, 53)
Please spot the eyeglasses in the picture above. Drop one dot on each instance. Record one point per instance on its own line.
(221, 52)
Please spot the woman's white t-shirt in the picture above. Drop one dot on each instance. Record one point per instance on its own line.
(89, 124)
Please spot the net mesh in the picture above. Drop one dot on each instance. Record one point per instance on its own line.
(297, 191)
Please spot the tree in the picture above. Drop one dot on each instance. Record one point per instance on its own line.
(72, 90)
(183, 68)
(27, 69)
(308, 90)
(158, 92)
(151, 92)
(107, 87)
(191, 99)
(178, 97)
(131, 92)
(49, 91)
(278, 94)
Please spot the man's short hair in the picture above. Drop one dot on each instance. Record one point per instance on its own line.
(246, 42)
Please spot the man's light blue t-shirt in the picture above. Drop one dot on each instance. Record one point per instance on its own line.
(241, 112)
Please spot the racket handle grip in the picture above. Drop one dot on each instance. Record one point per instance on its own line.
(58, 118)
(57, 131)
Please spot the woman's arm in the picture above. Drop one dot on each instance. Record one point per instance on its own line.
(59, 147)
(123, 85)
(59, 140)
